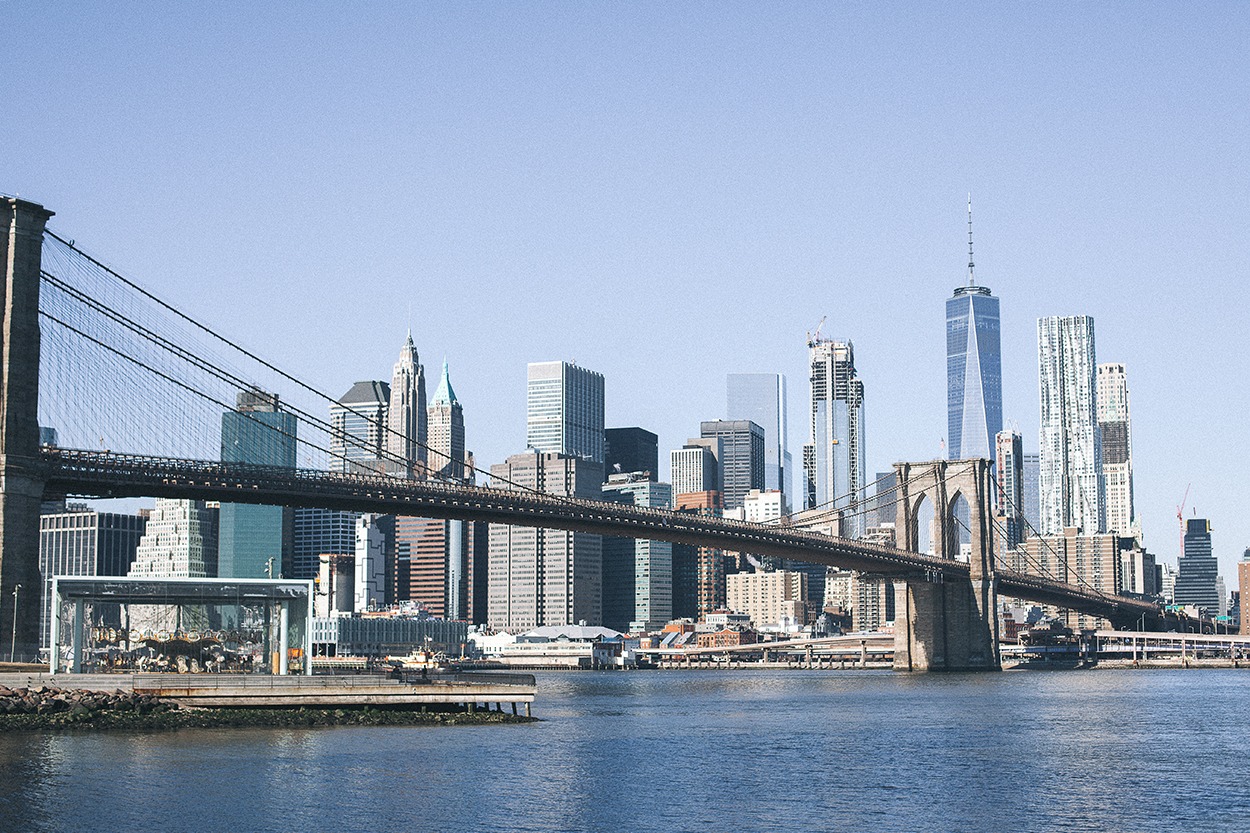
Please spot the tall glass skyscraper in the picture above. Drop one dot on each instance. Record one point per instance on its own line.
(1199, 569)
(564, 410)
(257, 432)
(974, 375)
(761, 398)
(740, 464)
(834, 467)
(1071, 481)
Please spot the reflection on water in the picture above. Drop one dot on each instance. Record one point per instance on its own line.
(1105, 750)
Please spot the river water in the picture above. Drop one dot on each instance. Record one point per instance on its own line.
(691, 751)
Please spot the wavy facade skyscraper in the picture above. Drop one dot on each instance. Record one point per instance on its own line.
(1071, 479)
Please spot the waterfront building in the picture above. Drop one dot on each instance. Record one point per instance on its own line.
(179, 541)
(698, 572)
(1009, 479)
(1117, 449)
(974, 388)
(258, 431)
(545, 576)
(873, 602)
(445, 426)
(1198, 569)
(761, 398)
(741, 461)
(775, 600)
(1243, 593)
(406, 420)
(395, 633)
(375, 535)
(1094, 561)
(695, 467)
(637, 574)
(83, 542)
(564, 410)
(629, 450)
(358, 428)
(833, 459)
(1221, 592)
(1071, 486)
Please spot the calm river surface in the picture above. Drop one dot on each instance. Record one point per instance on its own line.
(691, 751)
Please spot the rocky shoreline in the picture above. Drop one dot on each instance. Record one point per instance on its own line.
(44, 707)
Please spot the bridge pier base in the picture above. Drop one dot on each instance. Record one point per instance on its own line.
(945, 626)
(21, 480)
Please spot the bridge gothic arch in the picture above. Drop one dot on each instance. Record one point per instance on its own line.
(946, 625)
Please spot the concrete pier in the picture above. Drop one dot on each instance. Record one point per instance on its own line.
(266, 691)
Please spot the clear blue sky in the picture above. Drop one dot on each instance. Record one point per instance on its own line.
(670, 192)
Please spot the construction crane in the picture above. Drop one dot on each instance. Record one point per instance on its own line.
(814, 338)
(1180, 517)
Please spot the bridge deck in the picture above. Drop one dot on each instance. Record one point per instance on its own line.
(104, 474)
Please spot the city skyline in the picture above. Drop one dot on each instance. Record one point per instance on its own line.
(777, 169)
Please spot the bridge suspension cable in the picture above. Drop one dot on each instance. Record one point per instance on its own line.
(212, 370)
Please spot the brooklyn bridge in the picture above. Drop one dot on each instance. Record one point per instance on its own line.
(136, 389)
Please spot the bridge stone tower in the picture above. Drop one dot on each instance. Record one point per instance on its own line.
(21, 479)
(947, 625)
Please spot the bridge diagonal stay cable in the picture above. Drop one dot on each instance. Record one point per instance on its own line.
(281, 373)
(274, 368)
(207, 367)
(1054, 552)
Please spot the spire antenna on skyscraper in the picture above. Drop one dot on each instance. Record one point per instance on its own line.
(971, 281)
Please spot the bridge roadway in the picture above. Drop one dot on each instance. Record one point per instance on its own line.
(107, 474)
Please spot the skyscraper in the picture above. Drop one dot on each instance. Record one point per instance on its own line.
(406, 415)
(1032, 494)
(321, 532)
(741, 462)
(761, 398)
(974, 385)
(833, 460)
(446, 431)
(698, 572)
(564, 410)
(1243, 585)
(545, 576)
(258, 431)
(637, 573)
(1071, 487)
(1117, 448)
(1198, 568)
(695, 467)
(179, 541)
(358, 428)
(1009, 476)
(83, 542)
(629, 450)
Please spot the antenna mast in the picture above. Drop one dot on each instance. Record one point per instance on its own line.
(971, 280)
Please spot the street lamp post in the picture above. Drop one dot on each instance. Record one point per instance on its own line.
(13, 636)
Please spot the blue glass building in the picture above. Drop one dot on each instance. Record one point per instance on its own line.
(974, 376)
(256, 432)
